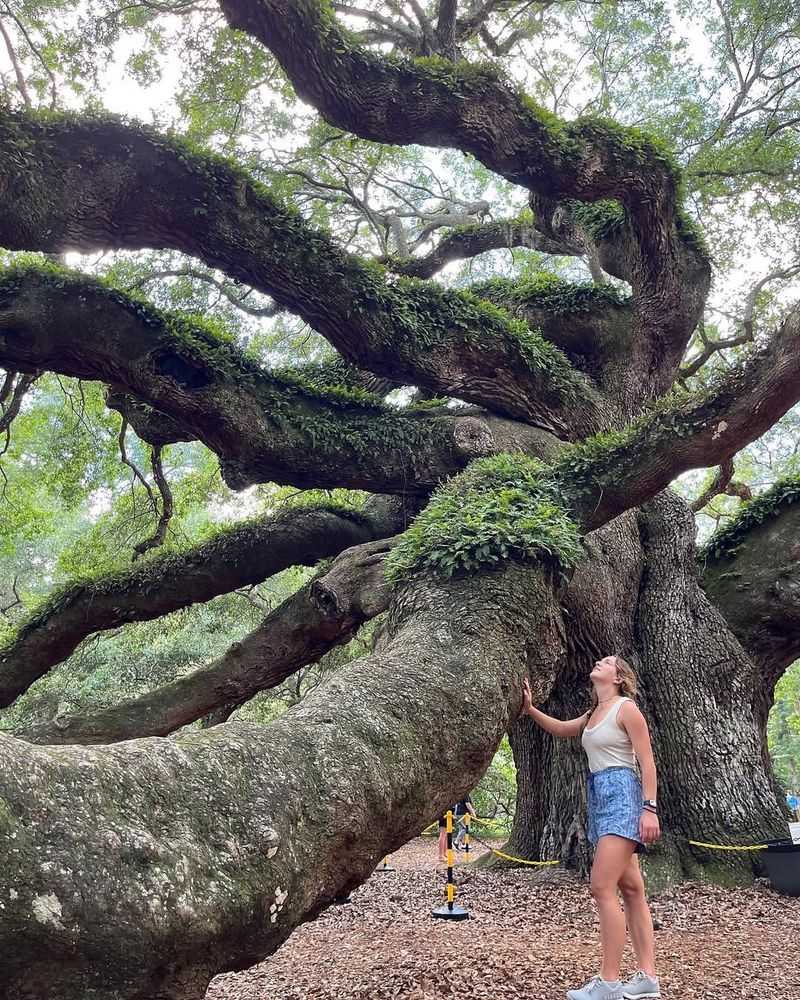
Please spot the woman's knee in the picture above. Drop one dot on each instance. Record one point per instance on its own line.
(631, 885)
(602, 889)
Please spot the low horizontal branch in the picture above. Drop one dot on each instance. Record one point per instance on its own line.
(241, 832)
(245, 555)
(324, 613)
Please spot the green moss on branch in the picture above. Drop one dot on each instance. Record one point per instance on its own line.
(550, 293)
(503, 507)
(726, 541)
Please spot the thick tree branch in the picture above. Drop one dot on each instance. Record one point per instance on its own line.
(247, 554)
(241, 832)
(591, 323)
(470, 107)
(150, 425)
(614, 472)
(324, 613)
(155, 191)
(750, 569)
(262, 427)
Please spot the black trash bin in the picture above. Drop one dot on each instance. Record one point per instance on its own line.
(782, 861)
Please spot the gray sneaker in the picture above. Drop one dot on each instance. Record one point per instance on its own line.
(597, 989)
(641, 986)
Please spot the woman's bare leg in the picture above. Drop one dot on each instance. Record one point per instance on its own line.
(637, 912)
(442, 843)
(612, 856)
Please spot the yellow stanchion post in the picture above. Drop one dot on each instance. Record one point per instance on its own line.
(451, 910)
(385, 867)
(467, 820)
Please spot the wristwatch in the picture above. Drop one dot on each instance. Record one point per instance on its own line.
(650, 804)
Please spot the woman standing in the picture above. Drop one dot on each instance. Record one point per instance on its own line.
(614, 735)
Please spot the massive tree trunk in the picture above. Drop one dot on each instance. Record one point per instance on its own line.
(216, 845)
(705, 698)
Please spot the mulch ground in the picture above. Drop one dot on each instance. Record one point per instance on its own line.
(532, 934)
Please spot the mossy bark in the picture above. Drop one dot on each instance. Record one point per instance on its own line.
(756, 585)
(238, 558)
(326, 612)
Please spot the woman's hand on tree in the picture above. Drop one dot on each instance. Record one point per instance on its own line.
(527, 698)
(649, 827)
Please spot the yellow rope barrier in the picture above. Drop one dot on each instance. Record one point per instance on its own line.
(519, 861)
(523, 861)
(727, 847)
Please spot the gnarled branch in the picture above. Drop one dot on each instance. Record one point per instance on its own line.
(611, 473)
(263, 427)
(470, 241)
(53, 176)
(472, 108)
(324, 613)
(722, 483)
(750, 569)
(246, 554)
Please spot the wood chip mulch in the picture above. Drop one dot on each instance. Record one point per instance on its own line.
(532, 935)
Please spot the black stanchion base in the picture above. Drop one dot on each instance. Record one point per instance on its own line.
(341, 900)
(384, 868)
(446, 913)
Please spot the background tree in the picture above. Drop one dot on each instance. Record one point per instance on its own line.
(481, 373)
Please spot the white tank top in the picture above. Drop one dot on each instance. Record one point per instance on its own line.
(607, 744)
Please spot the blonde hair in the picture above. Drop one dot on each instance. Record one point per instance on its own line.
(628, 685)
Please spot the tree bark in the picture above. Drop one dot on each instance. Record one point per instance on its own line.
(704, 697)
(139, 871)
(754, 578)
(598, 608)
(211, 209)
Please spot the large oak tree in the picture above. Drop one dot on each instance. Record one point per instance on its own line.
(524, 529)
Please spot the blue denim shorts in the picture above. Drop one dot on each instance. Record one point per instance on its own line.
(614, 804)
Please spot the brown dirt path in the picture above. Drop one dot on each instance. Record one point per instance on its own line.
(531, 936)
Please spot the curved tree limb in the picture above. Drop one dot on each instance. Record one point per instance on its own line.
(591, 323)
(156, 192)
(471, 108)
(750, 569)
(263, 427)
(722, 483)
(241, 832)
(151, 425)
(326, 612)
(470, 241)
(246, 554)
(617, 471)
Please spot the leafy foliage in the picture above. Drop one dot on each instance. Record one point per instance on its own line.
(727, 539)
(503, 507)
